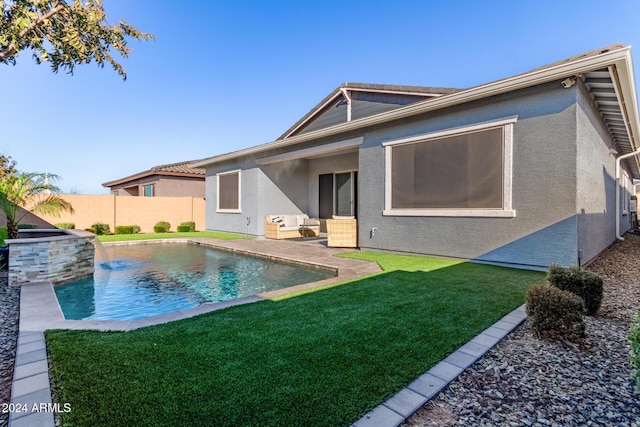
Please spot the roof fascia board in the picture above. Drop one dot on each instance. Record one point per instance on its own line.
(315, 112)
(620, 57)
(324, 149)
(148, 174)
(624, 81)
(394, 92)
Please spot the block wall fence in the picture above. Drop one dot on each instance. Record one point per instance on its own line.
(142, 211)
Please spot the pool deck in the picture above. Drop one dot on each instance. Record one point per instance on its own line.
(40, 311)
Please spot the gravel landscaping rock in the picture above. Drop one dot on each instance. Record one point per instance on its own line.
(9, 317)
(525, 381)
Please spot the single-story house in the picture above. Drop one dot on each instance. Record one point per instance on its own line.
(171, 180)
(525, 171)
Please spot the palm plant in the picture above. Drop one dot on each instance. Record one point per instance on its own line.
(22, 192)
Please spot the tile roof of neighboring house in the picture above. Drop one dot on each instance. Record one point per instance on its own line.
(172, 169)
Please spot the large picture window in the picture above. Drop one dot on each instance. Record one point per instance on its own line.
(458, 172)
(229, 192)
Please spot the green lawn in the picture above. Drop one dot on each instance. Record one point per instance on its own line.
(149, 236)
(322, 358)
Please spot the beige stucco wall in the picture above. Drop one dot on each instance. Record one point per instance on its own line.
(174, 186)
(142, 211)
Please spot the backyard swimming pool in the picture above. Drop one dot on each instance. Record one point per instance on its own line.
(144, 280)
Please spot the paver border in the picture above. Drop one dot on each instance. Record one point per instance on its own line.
(407, 401)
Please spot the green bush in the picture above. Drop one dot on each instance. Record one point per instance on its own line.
(100, 229)
(554, 313)
(588, 286)
(27, 226)
(162, 227)
(187, 227)
(4, 234)
(634, 339)
(127, 229)
(65, 226)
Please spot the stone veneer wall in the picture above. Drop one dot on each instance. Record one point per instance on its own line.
(58, 259)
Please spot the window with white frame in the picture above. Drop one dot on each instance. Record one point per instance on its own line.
(229, 192)
(457, 172)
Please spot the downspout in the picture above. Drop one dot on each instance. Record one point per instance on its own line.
(618, 160)
(345, 93)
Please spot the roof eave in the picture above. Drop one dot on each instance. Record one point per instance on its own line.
(621, 58)
(147, 174)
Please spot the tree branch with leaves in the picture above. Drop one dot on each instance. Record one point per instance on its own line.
(64, 34)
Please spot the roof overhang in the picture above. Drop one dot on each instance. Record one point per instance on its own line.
(334, 148)
(148, 174)
(617, 61)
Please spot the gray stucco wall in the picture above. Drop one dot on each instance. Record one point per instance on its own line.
(279, 188)
(595, 182)
(544, 192)
(562, 186)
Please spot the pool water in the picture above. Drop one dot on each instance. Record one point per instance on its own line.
(150, 279)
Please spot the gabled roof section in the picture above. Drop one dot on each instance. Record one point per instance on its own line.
(613, 63)
(180, 169)
(351, 101)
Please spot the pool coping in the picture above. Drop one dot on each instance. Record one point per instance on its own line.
(31, 386)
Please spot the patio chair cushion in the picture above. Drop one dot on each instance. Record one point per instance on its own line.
(278, 219)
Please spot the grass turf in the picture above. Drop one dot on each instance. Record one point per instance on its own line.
(152, 236)
(322, 358)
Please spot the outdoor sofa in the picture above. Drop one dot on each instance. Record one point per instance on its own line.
(290, 226)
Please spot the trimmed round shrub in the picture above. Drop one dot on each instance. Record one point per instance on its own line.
(634, 340)
(187, 227)
(585, 284)
(555, 314)
(127, 229)
(100, 229)
(65, 226)
(162, 227)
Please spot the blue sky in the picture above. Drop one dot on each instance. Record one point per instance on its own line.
(225, 75)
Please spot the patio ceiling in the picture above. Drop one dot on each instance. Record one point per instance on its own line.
(604, 91)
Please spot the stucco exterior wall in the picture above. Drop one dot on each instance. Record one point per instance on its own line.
(560, 159)
(544, 191)
(278, 188)
(142, 211)
(596, 185)
(164, 186)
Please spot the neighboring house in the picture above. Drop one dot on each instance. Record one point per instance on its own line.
(172, 180)
(518, 172)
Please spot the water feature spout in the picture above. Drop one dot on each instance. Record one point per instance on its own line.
(101, 258)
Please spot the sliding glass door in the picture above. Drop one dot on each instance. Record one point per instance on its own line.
(338, 194)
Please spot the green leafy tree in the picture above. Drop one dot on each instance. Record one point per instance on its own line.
(64, 34)
(29, 192)
(7, 166)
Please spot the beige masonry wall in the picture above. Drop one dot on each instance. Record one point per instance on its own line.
(142, 211)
